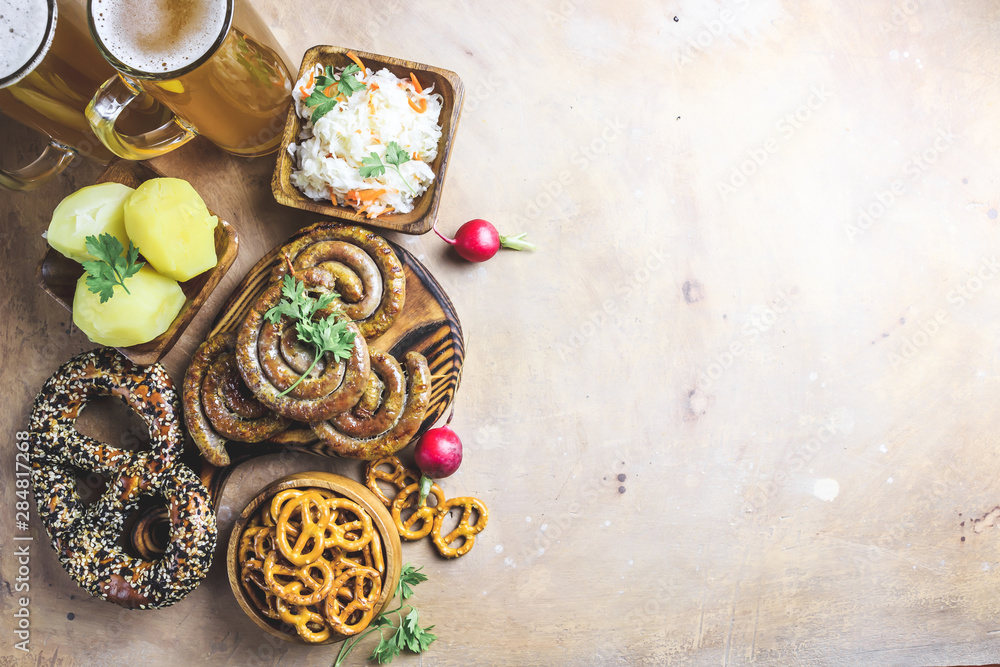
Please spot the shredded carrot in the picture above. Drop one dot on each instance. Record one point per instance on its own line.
(312, 79)
(373, 87)
(416, 84)
(415, 154)
(419, 108)
(329, 88)
(370, 195)
(350, 54)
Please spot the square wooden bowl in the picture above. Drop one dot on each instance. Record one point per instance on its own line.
(390, 548)
(421, 218)
(58, 274)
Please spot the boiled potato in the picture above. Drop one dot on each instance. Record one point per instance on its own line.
(170, 224)
(90, 211)
(128, 319)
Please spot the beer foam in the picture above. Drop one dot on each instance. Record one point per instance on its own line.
(24, 36)
(158, 36)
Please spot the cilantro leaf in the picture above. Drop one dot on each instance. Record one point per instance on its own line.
(110, 268)
(371, 166)
(396, 156)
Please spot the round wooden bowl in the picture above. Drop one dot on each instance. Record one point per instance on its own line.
(393, 555)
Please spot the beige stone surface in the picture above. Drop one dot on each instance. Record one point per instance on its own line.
(738, 408)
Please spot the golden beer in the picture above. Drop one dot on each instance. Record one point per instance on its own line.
(49, 69)
(210, 61)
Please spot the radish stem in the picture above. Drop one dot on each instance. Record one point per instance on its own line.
(516, 242)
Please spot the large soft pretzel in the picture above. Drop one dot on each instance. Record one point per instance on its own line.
(356, 262)
(86, 537)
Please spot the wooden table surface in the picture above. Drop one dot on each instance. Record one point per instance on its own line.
(738, 407)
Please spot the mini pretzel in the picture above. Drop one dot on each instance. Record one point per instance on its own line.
(278, 502)
(345, 619)
(86, 537)
(339, 534)
(398, 475)
(424, 515)
(301, 618)
(246, 549)
(464, 530)
(309, 537)
(297, 580)
(252, 579)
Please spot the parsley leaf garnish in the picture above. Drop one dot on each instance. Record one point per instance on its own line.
(410, 576)
(110, 268)
(394, 156)
(406, 634)
(327, 335)
(348, 83)
(328, 86)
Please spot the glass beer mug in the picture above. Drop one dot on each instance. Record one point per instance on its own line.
(49, 70)
(214, 63)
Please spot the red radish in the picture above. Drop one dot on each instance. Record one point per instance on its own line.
(438, 454)
(478, 240)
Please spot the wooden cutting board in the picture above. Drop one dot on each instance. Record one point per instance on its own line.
(428, 324)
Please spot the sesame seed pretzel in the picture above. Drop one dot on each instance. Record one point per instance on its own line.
(86, 536)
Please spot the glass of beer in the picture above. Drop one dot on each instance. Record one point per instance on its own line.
(49, 70)
(214, 63)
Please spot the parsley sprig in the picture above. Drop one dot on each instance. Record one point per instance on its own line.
(321, 101)
(406, 634)
(110, 268)
(394, 156)
(327, 335)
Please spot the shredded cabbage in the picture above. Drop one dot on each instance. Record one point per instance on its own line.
(330, 153)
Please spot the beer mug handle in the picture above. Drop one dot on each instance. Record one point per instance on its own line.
(53, 160)
(108, 103)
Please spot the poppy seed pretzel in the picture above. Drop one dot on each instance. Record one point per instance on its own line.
(86, 537)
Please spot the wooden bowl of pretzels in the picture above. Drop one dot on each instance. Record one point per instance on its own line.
(314, 558)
